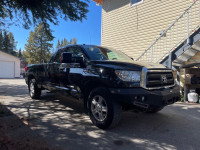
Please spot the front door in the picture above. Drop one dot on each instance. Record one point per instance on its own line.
(67, 78)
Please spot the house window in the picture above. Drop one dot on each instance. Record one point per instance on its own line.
(136, 2)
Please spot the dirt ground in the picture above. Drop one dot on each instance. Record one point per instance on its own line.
(15, 133)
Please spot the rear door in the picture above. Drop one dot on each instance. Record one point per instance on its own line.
(52, 72)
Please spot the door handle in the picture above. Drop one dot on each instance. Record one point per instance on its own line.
(62, 69)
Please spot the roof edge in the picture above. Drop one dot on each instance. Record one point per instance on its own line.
(9, 54)
(98, 1)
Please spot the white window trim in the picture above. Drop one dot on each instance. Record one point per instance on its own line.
(131, 5)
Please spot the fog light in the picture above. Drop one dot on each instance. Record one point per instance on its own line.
(136, 97)
(143, 98)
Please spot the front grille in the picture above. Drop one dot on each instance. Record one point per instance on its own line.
(159, 79)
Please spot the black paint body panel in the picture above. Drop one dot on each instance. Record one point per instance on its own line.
(75, 80)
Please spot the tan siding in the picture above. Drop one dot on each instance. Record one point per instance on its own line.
(133, 29)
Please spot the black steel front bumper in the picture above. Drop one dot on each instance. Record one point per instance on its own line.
(146, 98)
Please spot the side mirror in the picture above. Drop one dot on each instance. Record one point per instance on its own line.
(66, 57)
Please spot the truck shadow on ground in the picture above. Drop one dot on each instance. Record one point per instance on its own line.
(63, 123)
(13, 90)
(16, 134)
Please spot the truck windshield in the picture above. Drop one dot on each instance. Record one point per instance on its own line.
(104, 53)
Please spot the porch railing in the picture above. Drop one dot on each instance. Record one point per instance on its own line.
(179, 31)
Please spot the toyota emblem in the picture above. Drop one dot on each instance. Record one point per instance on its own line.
(163, 78)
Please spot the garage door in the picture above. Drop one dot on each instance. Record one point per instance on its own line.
(7, 69)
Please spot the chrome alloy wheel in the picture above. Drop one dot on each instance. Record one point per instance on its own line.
(32, 89)
(99, 108)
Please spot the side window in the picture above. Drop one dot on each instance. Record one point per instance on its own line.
(136, 2)
(76, 51)
(56, 57)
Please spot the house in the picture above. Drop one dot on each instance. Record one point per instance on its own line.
(9, 66)
(159, 31)
(132, 26)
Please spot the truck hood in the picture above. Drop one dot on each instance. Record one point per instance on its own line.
(119, 64)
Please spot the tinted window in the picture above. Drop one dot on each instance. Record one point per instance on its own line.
(76, 51)
(95, 53)
(103, 53)
(56, 56)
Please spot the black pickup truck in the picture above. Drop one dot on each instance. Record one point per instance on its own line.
(106, 80)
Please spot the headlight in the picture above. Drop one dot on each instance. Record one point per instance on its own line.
(128, 76)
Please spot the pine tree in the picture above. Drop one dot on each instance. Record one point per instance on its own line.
(65, 42)
(73, 41)
(5, 41)
(11, 44)
(20, 53)
(33, 12)
(38, 49)
(58, 44)
(61, 43)
(1, 40)
(30, 49)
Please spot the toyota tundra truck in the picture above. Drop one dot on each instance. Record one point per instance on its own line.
(106, 80)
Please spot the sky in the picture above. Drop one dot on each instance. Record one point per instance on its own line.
(87, 32)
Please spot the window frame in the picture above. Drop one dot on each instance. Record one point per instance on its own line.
(138, 3)
(84, 55)
(67, 50)
(55, 58)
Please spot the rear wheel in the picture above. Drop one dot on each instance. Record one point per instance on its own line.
(34, 91)
(104, 112)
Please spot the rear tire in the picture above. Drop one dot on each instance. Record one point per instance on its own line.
(104, 112)
(34, 91)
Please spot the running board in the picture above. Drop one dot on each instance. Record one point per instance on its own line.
(66, 89)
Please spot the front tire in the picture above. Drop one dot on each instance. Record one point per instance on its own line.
(104, 112)
(34, 91)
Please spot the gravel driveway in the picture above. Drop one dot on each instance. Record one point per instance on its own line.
(62, 123)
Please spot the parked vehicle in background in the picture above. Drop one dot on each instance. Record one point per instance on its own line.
(106, 80)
